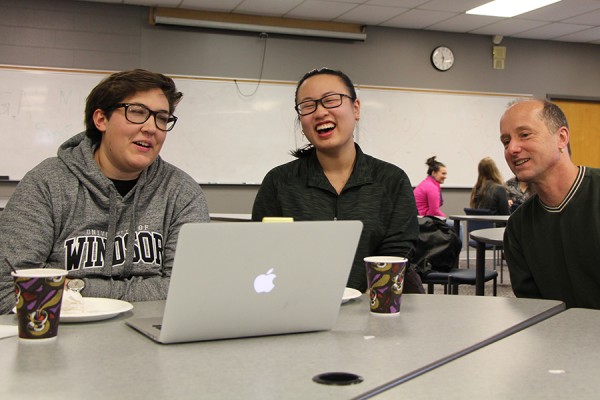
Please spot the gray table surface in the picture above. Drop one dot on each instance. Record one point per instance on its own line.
(502, 219)
(107, 359)
(490, 218)
(555, 359)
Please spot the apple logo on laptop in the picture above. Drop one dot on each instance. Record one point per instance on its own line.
(263, 283)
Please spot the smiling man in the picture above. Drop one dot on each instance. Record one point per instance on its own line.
(552, 242)
(107, 209)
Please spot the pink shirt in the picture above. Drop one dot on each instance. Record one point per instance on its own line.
(428, 196)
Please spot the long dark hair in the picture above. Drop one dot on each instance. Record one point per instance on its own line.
(307, 149)
(488, 174)
(120, 85)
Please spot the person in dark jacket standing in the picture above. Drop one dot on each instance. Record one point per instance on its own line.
(332, 179)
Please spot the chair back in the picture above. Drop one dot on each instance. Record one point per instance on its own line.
(476, 225)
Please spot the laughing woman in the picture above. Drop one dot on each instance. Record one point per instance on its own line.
(332, 179)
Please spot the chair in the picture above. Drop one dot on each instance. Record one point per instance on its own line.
(432, 278)
(467, 277)
(438, 246)
(475, 225)
(455, 277)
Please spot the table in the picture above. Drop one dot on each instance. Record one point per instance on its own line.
(487, 218)
(496, 219)
(493, 236)
(554, 359)
(107, 359)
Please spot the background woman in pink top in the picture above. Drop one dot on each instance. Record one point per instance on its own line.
(428, 194)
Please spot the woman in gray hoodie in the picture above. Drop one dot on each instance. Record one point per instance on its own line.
(107, 209)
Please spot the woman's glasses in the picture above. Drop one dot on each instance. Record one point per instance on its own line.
(139, 114)
(330, 101)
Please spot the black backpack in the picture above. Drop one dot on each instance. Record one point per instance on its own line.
(438, 247)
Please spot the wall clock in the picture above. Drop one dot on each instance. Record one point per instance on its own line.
(442, 58)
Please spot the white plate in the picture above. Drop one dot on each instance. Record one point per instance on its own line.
(96, 309)
(350, 294)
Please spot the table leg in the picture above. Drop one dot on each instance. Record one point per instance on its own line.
(457, 223)
(479, 269)
(457, 227)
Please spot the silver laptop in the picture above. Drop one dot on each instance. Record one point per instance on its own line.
(240, 279)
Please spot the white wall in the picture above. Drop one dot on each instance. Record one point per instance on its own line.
(73, 34)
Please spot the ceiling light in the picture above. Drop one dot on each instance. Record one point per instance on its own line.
(509, 8)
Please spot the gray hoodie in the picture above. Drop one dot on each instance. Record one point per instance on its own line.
(67, 214)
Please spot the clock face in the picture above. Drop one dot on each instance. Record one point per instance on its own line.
(442, 58)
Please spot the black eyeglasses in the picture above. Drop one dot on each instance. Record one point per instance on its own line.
(330, 101)
(139, 114)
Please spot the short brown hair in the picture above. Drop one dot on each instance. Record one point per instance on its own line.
(120, 85)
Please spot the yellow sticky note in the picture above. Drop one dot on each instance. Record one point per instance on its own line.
(278, 219)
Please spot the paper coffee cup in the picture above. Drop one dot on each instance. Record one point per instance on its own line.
(385, 279)
(39, 295)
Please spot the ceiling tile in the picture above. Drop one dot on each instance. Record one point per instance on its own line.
(508, 27)
(561, 10)
(267, 7)
(370, 15)
(320, 10)
(590, 18)
(454, 5)
(418, 19)
(396, 3)
(577, 20)
(464, 23)
(551, 31)
(588, 35)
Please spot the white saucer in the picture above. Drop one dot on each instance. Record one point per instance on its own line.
(96, 309)
(350, 294)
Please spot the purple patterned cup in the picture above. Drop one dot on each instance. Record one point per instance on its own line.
(385, 278)
(39, 295)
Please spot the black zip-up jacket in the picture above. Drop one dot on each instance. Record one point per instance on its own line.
(378, 193)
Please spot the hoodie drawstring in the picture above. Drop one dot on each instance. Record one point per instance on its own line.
(111, 234)
(131, 241)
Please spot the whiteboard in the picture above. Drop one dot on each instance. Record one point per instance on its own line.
(407, 126)
(234, 131)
